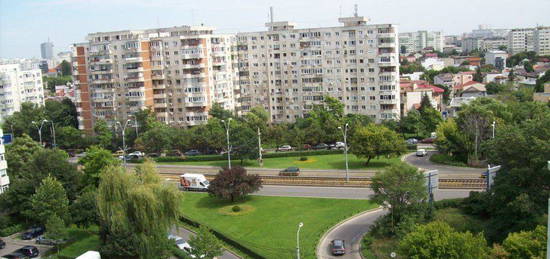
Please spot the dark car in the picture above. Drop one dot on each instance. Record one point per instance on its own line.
(32, 233)
(192, 152)
(2, 244)
(321, 146)
(47, 241)
(427, 141)
(30, 251)
(338, 247)
(291, 171)
(15, 255)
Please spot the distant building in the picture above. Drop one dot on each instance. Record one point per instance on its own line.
(433, 64)
(470, 89)
(541, 37)
(46, 50)
(456, 104)
(451, 80)
(19, 85)
(470, 44)
(497, 58)
(410, 42)
(495, 43)
(4, 178)
(483, 31)
(520, 40)
(412, 92)
(544, 96)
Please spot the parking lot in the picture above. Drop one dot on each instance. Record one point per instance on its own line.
(13, 243)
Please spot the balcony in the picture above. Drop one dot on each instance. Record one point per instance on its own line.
(160, 105)
(101, 61)
(135, 69)
(192, 75)
(159, 96)
(134, 79)
(218, 53)
(386, 44)
(100, 72)
(199, 65)
(157, 77)
(102, 81)
(392, 101)
(196, 104)
(133, 59)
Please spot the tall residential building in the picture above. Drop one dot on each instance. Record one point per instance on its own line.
(178, 72)
(46, 50)
(288, 71)
(4, 179)
(18, 84)
(541, 37)
(483, 31)
(410, 42)
(520, 40)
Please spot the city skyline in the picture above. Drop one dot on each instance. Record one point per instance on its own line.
(21, 36)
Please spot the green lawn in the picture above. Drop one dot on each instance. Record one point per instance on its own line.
(333, 161)
(82, 240)
(268, 225)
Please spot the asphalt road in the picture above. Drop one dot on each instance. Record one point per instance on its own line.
(425, 163)
(13, 244)
(186, 235)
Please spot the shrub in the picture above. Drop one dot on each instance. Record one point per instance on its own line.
(10, 230)
(448, 203)
(224, 157)
(304, 158)
(236, 208)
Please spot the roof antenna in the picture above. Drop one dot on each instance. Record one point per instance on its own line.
(355, 13)
(271, 13)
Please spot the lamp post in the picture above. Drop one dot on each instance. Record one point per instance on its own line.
(345, 133)
(123, 139)
(39, 129)
(260, 148)
(226, 124)
(494, 122)
(53, 134)
(298, 240)
(135, 124)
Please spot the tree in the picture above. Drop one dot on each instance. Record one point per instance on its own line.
(205, 245)
(526, 244)
(62, 113)
(372, 141)
(94, 162)
(245, 143)
(495, 88)
(478, 77)
(104, 134)
(155, 140)
(218, 112)
(541, 81)
(49, 200)
(84, 208)
(70, 138)
(400, 187)
(430, 118)
(51, 82)
(412, 123)
(451, 141)
(439, 240)
(66, 68)
(234, 184)
(136, 211)
(19, 153)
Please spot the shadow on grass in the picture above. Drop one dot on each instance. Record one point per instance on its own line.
(209, 202)
(360, 164)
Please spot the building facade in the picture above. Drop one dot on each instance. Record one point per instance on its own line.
(410, 42)
(520, 40)
(19, 85)
(46, 50)
(541, 37)
(495, 43)
(288, 71)
(178, 72)
(4, 178)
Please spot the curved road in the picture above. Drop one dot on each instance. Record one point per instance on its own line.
(425, 163)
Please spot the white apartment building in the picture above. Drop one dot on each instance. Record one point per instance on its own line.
(496, 58)
(520, 40)
(178, 72)
(541, 37)
(494, 43)
(410, 42)
(4, 179)
(19, 85)
(288, 71)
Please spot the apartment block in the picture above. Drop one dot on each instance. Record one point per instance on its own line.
(410, 42)
(541, 37)
(178, 72)
(520, 40)
(4, 179)
(288, 70)
(19, 84)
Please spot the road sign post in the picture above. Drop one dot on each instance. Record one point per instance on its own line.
(432, 182)
(490, 175)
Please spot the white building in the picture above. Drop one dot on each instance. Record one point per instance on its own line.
(483, 31)
(288, 71)
(4, 178)
(494, 43)
(19, 85)
(520, 40)
(410, 42)
(497, 58)
(433, 64)
(541, 38)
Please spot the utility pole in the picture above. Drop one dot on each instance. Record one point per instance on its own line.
(39, 129)
(345, 133)
(53, 134)
(226, 124)
(494, 122)
(123, 139)
(260, 148)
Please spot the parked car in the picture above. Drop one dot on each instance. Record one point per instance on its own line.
(182, 245)
(321, 146)
(290, 171)
(153, 155)
(340, 145)
(192, 152)
(48, 241)
(15, 255)
(30, 251)
(307, 146)
(412, 141)
(284, 148)
(137, 153)
(428, 141)
(421, 152)
(338, 247)
(2, 244)
(32, 233)
(173, 152)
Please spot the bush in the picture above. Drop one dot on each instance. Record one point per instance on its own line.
(224, 156)
(236, 208)
(446, 160)
(448, 203)
(304, 158)
(412, 147)
(8, 231)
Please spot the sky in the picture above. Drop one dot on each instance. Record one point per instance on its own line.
(24, 24)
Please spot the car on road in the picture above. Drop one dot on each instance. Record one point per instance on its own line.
(30, 251)
(137, 153)
(421, 152)
(427, 141)
(321, 146)
(284, 148)
(290, 171)
(192, 152)
(182, 245)
(338, 247)
(412, 141)
(32, 233)
(41, 240)
(2, 244)
(14, 255)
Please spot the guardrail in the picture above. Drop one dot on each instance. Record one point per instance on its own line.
(444, 183)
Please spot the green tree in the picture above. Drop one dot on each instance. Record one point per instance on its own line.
(526, 244)
(84, 208)
(66, 68)
(218, 112)
(49, 200)
(439, 240)
(430, 118)
(539, 87)
(412, 123)
(62, 113)
(136, 211)
(70, 138)
(103, 134)
(478, 77)
(155, 140)
(21, 121)
(400, 187)
(51, 82)
(451, 141)
(372, 141)
(205, 244)
(19, 153)
(234, 184)
(495, 88)
(56, 229)
(95, 161)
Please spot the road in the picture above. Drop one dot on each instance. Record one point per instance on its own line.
(425, 163)
(186, 235)
(12, 244)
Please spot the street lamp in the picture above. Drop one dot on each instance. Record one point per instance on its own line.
(135, 124)
(123, 139)
(39, 129)
(260, 147)
(53, 134)
(226, 124)
(298, 240)
(345, 133)
(494, 122)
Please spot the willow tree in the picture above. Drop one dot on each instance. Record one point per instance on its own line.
(136, 211)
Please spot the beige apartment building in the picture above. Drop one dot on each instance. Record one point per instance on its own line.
(288, 70)
(178, 72)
